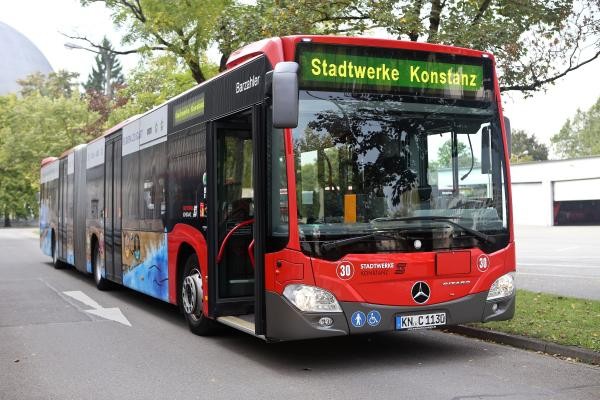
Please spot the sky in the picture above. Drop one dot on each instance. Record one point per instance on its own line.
(42, 21)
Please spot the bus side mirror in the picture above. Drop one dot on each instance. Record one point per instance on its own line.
(285, 95)
(508, 138)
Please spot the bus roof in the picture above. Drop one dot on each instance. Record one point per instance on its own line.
(273, 47)
(72, 149)
(48, 160)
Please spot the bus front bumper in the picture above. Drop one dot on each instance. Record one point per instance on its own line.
(285, 322)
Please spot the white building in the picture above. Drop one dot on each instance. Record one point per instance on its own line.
(556, 192)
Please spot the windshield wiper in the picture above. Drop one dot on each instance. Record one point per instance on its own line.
(342, 242)
(449, 220)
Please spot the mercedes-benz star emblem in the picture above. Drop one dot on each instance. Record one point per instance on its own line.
(420, 292)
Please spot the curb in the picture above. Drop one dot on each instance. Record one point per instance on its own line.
(522, 342)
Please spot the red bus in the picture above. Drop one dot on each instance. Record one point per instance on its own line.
(320, 186)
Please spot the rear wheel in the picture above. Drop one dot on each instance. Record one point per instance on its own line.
(191, 297)
(101, 283)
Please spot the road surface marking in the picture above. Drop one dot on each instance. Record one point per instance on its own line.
(83, 298)
(112, 314)
(560, 276)
(596, 267)
(567, 249)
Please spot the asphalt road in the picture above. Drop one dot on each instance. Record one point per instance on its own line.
(563, 260)
(51, 348)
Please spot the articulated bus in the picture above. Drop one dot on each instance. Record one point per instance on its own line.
(320, 186)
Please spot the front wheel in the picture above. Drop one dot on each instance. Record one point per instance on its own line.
(191, 297)
(101, 282)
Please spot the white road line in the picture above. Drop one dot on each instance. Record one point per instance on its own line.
(560, 275)
(567, 249)
(112, 314)
(83, 298)
(538, 256)
(568, 266)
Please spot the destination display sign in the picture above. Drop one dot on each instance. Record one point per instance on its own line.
(361, 69)
(190, 108)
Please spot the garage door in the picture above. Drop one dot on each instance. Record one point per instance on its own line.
(581, 189)
(527, 204)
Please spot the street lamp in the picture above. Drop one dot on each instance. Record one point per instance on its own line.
(107, 64)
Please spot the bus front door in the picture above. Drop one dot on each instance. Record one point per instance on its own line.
(232, 222)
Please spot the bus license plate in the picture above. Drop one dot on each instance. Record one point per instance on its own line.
(420, 321)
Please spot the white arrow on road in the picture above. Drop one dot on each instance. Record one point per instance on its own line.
(113, 314)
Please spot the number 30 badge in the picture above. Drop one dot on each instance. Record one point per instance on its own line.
(345, 270)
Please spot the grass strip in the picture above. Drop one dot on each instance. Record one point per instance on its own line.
(559, 319)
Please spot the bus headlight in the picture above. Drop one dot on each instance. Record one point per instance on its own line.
(502, 287)
(311, 298)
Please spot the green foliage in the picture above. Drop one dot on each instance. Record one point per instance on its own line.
(558, 319)
(580, 136)
(525, 147)
(107, 68)
(56, 84)
(242, 23)
(445, 155)
(183, 28)
(154, 81)
(533, 40)
(48, 119)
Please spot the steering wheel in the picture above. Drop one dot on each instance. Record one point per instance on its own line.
(229, 234)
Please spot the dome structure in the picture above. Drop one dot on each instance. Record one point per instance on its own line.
(19, 57)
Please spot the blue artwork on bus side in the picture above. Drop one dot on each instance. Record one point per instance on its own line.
(45, 231)
(149, 272)
(70, 257)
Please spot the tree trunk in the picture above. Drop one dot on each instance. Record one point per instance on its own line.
(223, 63)
(434, 20)
(6, 218)
(196, 71)
(416, 11)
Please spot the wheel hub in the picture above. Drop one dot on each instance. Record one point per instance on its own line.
(192, 293)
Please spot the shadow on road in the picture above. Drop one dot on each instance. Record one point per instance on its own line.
(334, 355)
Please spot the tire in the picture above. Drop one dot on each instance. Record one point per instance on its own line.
(190, 299)
(101, 283)
(55, 261)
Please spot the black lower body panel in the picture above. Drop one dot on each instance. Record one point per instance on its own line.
(285, 322)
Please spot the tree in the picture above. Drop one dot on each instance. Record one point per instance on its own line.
(444, 155)
(152, 82)
(535, 42)
(54, 85)
(182, 28)
(580, 136)
(525, 147)
(242, 23)
(49, 118)
(106, 74)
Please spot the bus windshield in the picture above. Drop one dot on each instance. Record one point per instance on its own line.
(392, 174)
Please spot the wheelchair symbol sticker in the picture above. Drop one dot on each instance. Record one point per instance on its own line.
(373, 318)
(358, 319)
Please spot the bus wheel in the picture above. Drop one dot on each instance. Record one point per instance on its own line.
(191, 297)
(55, 261)
(101, 283)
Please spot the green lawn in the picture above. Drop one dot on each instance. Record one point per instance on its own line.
(553, 318)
